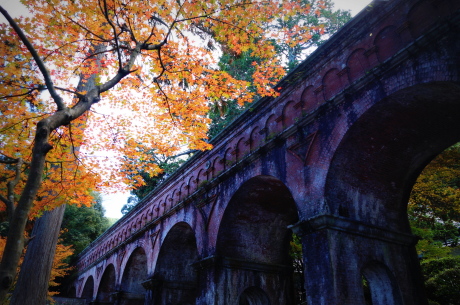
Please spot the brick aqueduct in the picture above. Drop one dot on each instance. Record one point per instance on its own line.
(333, 158)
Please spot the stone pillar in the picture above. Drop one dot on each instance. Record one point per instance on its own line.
(125, 298)
(338, 252)
(150, 288)
(223, 280)
(164, 292)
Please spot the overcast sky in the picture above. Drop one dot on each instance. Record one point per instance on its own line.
(15, 8)
(113, 203)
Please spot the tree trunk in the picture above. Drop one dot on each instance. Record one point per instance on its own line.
(32, 285)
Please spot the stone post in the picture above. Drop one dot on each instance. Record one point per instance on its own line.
(339, 252)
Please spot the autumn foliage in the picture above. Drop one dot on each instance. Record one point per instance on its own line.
(60, 266)
(163, 100)
(84, 83)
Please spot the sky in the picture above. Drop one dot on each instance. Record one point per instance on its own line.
(114, 202)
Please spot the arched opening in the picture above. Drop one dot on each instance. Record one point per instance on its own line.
(132, 291)
(374, 169)
(88, 290)
(253, 240)
(107, 287)
(382, 154)
(175, 279)
(253, 296)
(434, 216)
(381, 287)
(72, 293)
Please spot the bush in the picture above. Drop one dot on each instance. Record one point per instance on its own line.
(442, 280)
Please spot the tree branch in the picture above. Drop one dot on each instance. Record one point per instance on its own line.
(105, 11)
(11, 185)
(41, 65)
(123, 71)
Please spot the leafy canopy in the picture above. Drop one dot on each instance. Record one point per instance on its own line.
(434, 214)
(155, 75)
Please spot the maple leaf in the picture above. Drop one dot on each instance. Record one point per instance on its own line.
(108, 76)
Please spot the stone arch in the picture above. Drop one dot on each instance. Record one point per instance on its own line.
(217, 166)
(272, 126)
(157, 210)
(144, 218)
(173, 198)
(200, 177)
(253, 232)
(191, 185)
(309, 99)
(382, 285)
(168, 202)
(388, 42)
(379, 158)
(107, 285)
(240, 148)
(175, 279)
(182, 191)
(229, 158)
(357, 64)
(331, 84)
(135, 272)
(88, 290)
(253, 296)
(256, 138)
(291, 112)
(373, 170)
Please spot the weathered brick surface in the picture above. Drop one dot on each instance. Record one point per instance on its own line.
(337, 152)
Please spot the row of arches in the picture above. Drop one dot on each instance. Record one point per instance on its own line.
(391, 36)
(371, 152)
(253, 231)
(252, 242)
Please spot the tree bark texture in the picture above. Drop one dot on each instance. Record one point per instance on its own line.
(32, 285)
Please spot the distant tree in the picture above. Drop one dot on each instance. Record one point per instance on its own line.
(146, 58)
(317, 23)
(168, 165)
(434, 214)
(434, 205)
(295, 252)
(442, 280)
(130, 204)
(242, 67)
(435, 196)
(82, 225)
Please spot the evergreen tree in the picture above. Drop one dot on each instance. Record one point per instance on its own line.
(319, 22)
(82, 225)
